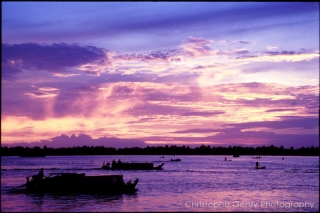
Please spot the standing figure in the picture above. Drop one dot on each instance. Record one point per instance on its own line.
(257, 164)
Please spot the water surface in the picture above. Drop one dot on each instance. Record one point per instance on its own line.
(196, 183)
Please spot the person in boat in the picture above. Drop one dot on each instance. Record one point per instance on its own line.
(225, 159)
(39, 176)
(119, 161)
(257, 164)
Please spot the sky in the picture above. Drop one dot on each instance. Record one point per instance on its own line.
(126, 74)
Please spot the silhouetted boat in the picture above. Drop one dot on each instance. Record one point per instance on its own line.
(260, 167)
(132, 166)
(177, 159)
(80, 183)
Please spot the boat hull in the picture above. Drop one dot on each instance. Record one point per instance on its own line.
(133, 166)
(261, 167)
(72, 182)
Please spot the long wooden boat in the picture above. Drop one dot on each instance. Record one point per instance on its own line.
(132, 166)
(74, 182)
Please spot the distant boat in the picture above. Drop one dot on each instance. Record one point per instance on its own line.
(177, 159)
(74, 182)
(260, 167)
(132, 166)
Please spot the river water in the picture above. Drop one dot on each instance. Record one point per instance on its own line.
(194, 184)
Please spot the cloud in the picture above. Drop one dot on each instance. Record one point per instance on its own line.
(279, 110)
(191, 47)
(82, 140)
(217, 65)
(56, 58)
(165, 55)
(195, 47)
(64, 75)
(244, 42)
(45, 92)
(294, 122)
(124, 106)
(199, 113)
(271, 48)
(289, 56)
(198, 131)
(267, 67)
(303, 123)
(246, 134)
(252, 139)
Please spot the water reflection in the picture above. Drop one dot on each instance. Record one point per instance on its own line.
(47, 202)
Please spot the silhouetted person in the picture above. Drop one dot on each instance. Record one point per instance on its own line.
(282, 158)
(39, 176)
(119, 161)
(257, 164)
(225, 159)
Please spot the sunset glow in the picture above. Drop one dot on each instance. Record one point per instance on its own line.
(182, 73)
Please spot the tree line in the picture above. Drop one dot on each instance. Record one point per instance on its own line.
(159, 150)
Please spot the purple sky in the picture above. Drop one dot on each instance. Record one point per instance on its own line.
(155, 73)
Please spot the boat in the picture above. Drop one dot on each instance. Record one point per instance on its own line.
(177, 159)
(132, 166)
(225, 159)
(260, 167)
(80, 183)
